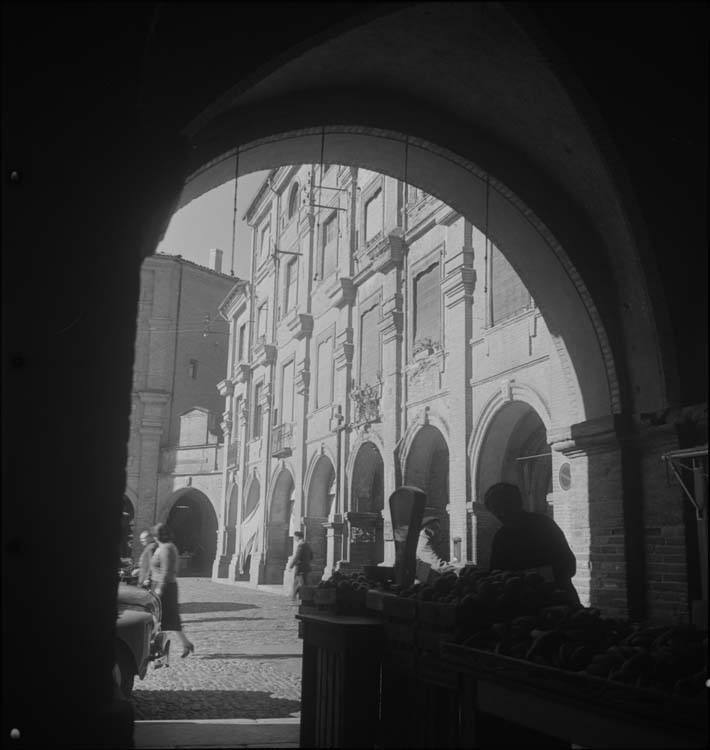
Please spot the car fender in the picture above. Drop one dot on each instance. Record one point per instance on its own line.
(135, 629)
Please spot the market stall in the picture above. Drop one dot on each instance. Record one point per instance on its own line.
(482, 658)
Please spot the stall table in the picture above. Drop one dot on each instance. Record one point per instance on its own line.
(577, 709)
(340, 685)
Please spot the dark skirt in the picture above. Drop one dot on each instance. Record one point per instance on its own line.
(170, 619)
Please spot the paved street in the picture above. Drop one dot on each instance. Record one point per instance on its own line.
(247, 660)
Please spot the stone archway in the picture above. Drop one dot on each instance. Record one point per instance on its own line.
(193, 523)
(249, 530)
(514, 449)
(367, 502)
(320, 495)
(426, 466)
(279, 543)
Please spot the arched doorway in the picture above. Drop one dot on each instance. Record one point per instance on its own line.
(321, 491)
(127, 516)
(514, 449)
(193, 523)
(249, 529)
(367, 503)
(278, 542)
(427, 467)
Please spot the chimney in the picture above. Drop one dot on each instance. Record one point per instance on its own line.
(216, 260)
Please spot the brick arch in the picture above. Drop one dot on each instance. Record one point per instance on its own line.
(369, 437)
(519, 391)
(277, 548)
(253, 484)
(427, 417)
(207, 538)
(573, 320)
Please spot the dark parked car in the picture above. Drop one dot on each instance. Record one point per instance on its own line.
(139, 639)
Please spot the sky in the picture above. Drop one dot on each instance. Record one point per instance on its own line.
(206, 223)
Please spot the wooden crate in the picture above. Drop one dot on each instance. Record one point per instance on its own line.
(324, 599)
(374, 600)
(400, 608)
(437, 615)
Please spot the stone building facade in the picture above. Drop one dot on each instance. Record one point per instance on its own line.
(174, 450)
(381, 340)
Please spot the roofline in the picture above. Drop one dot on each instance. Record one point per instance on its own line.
(180, 259)
(251, 210)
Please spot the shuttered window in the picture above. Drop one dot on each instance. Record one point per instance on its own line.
(265, 239)
(287, 393)
(242, 342)
(369, 347)
(293, 201)
(427, 305)
(262, 319)
(373, 216)
(508, 293)
(330, 245)
(324, 388)
(256, 426)
(290, 286)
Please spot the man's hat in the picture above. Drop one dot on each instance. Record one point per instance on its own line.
(430, 519)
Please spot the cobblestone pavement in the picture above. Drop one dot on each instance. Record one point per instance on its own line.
(246, 664)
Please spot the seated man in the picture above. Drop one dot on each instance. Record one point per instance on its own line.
(528, 540)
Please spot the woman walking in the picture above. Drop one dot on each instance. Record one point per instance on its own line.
(163, 566)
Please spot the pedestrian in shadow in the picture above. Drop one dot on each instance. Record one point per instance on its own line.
(301, 561)
(163, 567)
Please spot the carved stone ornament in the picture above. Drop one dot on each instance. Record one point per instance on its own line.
(367, 402)
(362, 535)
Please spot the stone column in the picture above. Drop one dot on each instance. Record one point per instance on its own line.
(457, 288)
(239, 472)
(221, 560)
(257, 571)
(334, 544)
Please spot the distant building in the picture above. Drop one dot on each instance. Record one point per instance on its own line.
(174, 451)
(361, 359)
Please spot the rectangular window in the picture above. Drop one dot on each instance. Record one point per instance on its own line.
(241, 353)
(374, 216)
(290, 286)
(427, 306)
(369, 347)
(330, 245)
(287, 393)
(508, 293)
(257, 411)
(262, 319)
(324, 388)
(265, 239)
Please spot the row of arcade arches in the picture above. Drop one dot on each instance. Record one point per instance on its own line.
(511, 445)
